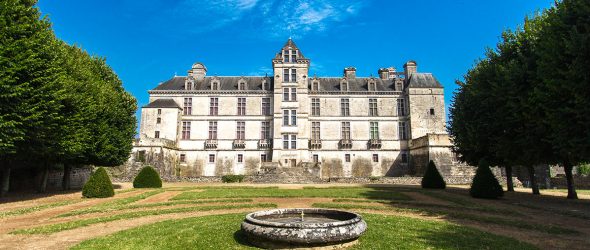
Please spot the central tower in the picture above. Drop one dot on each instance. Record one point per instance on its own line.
(291, 106)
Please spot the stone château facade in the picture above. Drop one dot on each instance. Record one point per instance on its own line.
(390, 125)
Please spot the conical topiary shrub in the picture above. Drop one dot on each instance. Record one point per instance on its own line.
(98, 185)
(485, 185)
(147, 178)
(432, 178)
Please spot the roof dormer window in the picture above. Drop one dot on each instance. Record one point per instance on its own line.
(242, 84)
(344, 85)
(289, 55)
(372, 85)
(188, 85)
(264, 84)
(315, 85)
(215, 84)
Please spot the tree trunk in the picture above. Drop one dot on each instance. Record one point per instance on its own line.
(571, 189)
(509, 183)
(5, 181)
(42, 179)
(534, 184)
(65, 182)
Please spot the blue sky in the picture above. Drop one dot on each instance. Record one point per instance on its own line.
(147, 42)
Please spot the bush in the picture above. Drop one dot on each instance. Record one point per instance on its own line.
(148, 177)
(432, 178)
(232, 178)
(584, 169)
(99, 185)
(485, 185)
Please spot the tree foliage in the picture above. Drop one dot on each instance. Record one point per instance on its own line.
(528, 101)
(58, 104)
(148, 177)
(99, 185)
(432, 178)
(485, 185)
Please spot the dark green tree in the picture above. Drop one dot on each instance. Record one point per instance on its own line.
(564, 92)
(432, 178)
(485, 185)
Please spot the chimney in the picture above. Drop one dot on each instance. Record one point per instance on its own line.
(350, 72)
(198, 71)
(410, 68)
(386, 73)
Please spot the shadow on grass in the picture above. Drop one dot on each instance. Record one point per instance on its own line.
(241, 239)
(26, 195)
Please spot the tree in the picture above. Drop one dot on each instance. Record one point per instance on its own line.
(485, 185)
(564, 92)
(148, 177)
(432, 178)
(99, 185)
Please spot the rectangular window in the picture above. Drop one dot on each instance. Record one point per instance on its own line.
(285, 141)
(241, 106)
(315, 130)
(404, 157)
(372, 107)
(345, 130)
(241, 131)
(212, 130)
(286, 94)
(374, 131)
(266, 106)
(158, 120)
(265, 131)
(289, 55)
(240, 158)
(293, 141)
(344, 107)
(214, 106)
(316, 158)
(263, 158)
(293, 75)
(188, 106)
(401, 107)
(347, 157)
(159, 111)
(182, 158)
(211, 158)
(315, 107)
(186, 130)
(157, 135)
(286, 56)
(431, 111)
(293, 55)
(375, 158)
(402, 131)
(286, 75)
(289, 117)
(293, 94)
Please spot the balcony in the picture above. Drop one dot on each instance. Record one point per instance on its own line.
(210, 144)
(374, 144)
(345, 144)
(239, 144)
(315, 144)
(264, 144)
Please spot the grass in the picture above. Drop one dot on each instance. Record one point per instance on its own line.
(515, 223)
(579, 191)
(335, 192)
(53, 228)
(27, 210)
(112, 205)
(223, 232)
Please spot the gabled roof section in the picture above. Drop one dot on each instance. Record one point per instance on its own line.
(289, 45)
(225, 83)
(163, 103)
(423, 80)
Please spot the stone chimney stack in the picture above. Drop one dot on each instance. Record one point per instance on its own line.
(410, 68)
(386, 73)
(198, 71)
(350, 72)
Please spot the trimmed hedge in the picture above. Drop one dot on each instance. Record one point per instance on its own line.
(99, 185)
(232, 178)
(148, 177)
(432, 178)
(485, 185)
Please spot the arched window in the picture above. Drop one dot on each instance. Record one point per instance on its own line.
(372, 85)
(344, 85)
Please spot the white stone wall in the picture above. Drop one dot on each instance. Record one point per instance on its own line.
(168, 126)
(421, 100)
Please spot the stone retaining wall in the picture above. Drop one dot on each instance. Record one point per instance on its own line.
(579, 182)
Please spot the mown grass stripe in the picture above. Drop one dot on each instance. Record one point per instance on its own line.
(112, 205)
(27, 210)
(368, 193)
(53, 228)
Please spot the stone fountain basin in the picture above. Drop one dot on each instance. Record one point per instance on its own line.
(283, 228)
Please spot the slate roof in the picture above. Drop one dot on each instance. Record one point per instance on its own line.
(162, 103)
(356, 84)
(225, 83)
(423, 80)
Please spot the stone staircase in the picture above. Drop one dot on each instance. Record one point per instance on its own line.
(272, 172)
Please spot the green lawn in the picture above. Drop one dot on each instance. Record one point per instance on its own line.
(222, 232)
(333, 192)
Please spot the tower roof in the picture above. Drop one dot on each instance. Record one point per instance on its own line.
(289, 45)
